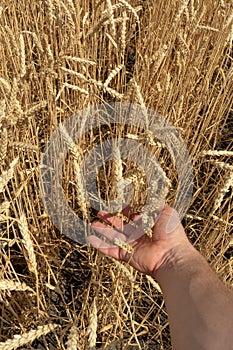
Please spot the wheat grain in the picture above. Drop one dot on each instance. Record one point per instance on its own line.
(7, 175)
(22, 56)
(92, 327)
(73, 339)
(25, 338)
(112, 74)
(28, 243)
(14, 286)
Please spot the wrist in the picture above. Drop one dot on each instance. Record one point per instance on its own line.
(180, 257)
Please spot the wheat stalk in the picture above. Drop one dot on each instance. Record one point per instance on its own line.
(92, 327)
(7, 175)
(35, 37)
(123, 245)
(73, 339)
(14, 285)
(22, 56)
(28, 243)
(25, 338)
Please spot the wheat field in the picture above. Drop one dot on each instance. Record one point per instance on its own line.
(60, 57)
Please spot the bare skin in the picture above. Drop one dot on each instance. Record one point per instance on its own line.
(199, 306)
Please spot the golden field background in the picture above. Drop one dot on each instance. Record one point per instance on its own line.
(56, 58)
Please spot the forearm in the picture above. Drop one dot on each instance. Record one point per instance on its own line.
(200, 307)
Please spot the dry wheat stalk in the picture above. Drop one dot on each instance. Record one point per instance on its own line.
(28, 243)
(25, 338)
(92, 327)
(7, 175)
(22, 56)
(3, 143)
(14, 285)
(1, 10)
(112, 74)
(228, 179)
(73, 339)
(4, 206)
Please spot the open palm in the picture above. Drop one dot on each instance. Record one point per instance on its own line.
(147, 253)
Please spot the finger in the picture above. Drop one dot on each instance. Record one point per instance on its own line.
(104, 247)
(111, 219)
(167, 222)
(108, 232)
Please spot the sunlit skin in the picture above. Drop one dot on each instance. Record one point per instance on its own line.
(199, 306)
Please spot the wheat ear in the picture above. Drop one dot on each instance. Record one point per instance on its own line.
(7, 175)
(14, 285)
(73, 338)
(92, 327)
(3, 144)
(112, 74)
(28, 243)
(25, 338)
(223, 191)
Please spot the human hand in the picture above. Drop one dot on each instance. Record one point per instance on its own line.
(148, 254)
